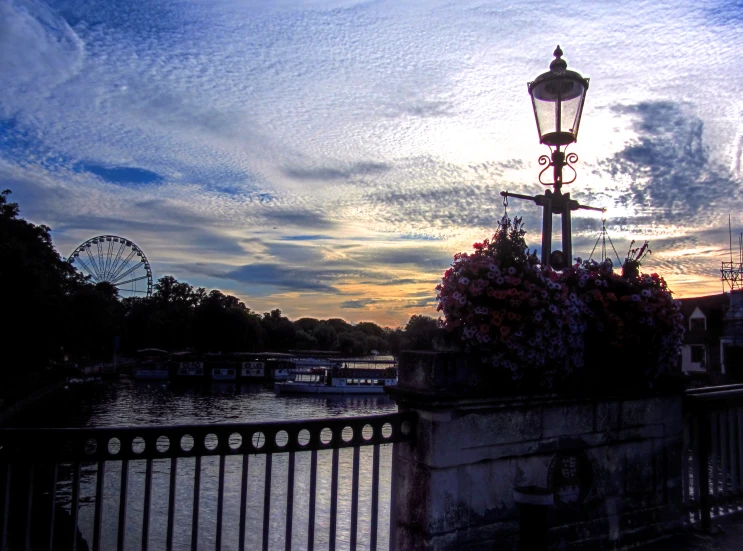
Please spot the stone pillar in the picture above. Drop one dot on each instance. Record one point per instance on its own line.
(613, 464)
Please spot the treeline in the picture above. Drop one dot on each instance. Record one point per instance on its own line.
(51, 312)
(179, 316)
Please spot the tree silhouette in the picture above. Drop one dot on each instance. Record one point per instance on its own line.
(35, 286)
(59, 314)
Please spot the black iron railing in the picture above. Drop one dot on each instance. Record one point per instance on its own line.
(712, 457)
(47, 473)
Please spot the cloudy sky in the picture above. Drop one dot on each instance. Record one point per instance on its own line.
(328, 157)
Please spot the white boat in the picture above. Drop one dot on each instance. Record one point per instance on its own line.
(338, 381)
(287, 370)
(224, 374)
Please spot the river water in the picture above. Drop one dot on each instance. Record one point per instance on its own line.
(140, 403)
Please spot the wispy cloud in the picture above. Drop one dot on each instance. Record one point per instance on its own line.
(668, 165)
(336, 173)
(283, 277)
(338, 152)
(357, 304)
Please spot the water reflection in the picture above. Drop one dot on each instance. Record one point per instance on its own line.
(139, 403)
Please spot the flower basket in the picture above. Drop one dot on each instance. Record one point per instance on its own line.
(586, 327)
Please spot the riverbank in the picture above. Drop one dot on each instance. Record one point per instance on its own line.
(12, 409)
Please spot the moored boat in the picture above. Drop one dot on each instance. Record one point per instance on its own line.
(192, 370)
(254, 370)
(152, 364)
(220, 367)
(187, 366)
(224, 374)
(338, 381)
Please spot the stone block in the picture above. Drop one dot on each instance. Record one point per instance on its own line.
(571, 419)
(606, 415)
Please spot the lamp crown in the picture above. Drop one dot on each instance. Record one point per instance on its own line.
(558, 64)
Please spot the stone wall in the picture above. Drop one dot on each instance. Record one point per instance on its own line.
(612, 463)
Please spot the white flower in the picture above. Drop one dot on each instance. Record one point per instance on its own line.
(464, 280)
(511, 270)
(491, 275)
(646, 293)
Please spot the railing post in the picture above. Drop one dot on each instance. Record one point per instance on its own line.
(123, 489)
(6, 508)
(29, 507)
(703, 471)
(53, 511)
(394, 489)
(171, 504)
(100, 479)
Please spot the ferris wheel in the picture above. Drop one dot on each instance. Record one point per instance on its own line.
(115, 260)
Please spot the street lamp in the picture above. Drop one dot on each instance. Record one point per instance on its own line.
(557, 97)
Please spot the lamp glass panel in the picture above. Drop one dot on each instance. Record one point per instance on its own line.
(546, 112)
(571, 114)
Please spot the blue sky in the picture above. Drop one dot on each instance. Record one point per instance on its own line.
(329, 157)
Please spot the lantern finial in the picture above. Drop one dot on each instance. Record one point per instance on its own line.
(558, 64)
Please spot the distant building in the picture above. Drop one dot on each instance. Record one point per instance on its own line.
(701, 352)
(731, 342)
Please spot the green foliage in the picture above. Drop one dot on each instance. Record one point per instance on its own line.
(353, 343)
(325, 336)
(421, 332)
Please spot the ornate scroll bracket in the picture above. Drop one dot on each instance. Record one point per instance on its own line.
(557, 162)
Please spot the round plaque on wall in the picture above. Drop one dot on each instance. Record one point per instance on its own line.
(570, 477)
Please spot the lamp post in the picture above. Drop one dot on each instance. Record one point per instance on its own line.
(557, 99)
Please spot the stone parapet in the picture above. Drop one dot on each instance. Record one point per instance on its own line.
(613, 463)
